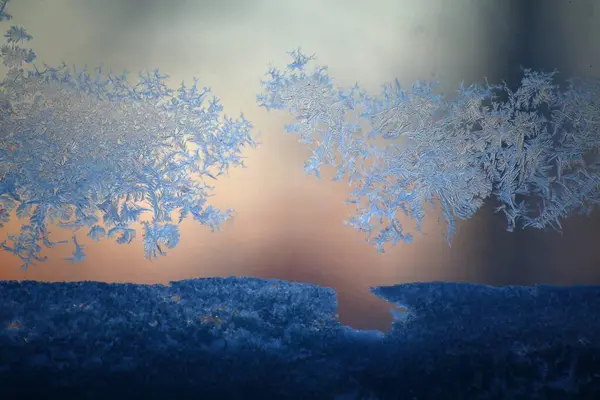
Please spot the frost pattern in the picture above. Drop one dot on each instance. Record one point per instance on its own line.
(535, 150)
(73, 145)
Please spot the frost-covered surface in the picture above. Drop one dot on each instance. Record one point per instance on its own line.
(241, 338)
(533, 150)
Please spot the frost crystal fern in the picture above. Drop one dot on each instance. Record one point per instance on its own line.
(73, 146)
(534, 149)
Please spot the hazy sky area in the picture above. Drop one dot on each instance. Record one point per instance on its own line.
(289, 225)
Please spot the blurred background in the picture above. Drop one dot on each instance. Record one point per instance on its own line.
(289, 225)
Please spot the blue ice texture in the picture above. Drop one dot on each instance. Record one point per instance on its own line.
(73, 145)
(534, 149)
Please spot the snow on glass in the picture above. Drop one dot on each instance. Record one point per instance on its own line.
(75, 145)
(535, 150)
